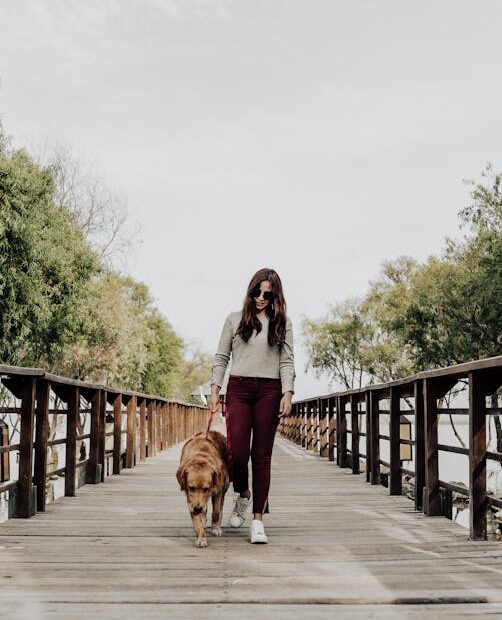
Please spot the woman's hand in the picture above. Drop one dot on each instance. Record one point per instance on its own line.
(285, 405)
(214, 403)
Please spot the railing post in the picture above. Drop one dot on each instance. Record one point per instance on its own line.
(131, 433)
(292, 427)
(92, 465)
(297, 438)
(323, 428)
(41, 436)
(331, 428)
(162, 425)
(313, 424)
(374, 438)
(142, 430)
(317, 426)
(151, 425)
(25, 482)
(477, 458)
(102, 432)
(117, 433)
(166, 425)
(342, 432)
(296, 424)
(180, 423)
(302, 425)
(72, 413)
(169, 424)
(419, 445)
(432, 498)
(367, 406)
(354, 424)
(158, 427)
(395, 484)
(308, 427)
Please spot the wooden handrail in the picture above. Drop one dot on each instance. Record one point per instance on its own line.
(162, 423)
(328, 413)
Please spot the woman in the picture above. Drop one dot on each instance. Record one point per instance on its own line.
(260, 388)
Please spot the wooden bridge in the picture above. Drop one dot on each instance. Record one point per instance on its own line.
(121, 545)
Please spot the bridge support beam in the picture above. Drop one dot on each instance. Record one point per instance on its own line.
(374, 438)
(342, 431)
(395, 483)
(419, 445)
(354, 426)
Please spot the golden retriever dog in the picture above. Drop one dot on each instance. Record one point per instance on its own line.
(203, 473)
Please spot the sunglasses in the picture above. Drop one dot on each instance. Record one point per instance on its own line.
(267, 295)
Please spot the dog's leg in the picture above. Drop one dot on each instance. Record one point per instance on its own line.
(198, 523)
(223, 494)
(217, 513)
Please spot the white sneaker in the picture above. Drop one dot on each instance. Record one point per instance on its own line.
(257, 532)
(239, 512)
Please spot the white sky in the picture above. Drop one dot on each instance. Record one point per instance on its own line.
(315, 137)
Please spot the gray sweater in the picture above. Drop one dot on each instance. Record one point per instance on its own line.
(254, 358)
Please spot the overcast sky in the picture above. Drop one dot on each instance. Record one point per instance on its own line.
(318, 138)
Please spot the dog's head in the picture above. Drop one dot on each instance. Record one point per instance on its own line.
(198, 481)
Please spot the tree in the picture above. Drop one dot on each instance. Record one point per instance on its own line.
(336, 344)
(45, 265)
(357, 343)
(164, 357)
(455, 314)
(195, 371)
(99, 213)
(388, 356)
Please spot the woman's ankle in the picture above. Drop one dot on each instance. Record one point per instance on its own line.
(245, 493)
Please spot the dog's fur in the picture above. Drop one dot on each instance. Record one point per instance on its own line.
(203, 473)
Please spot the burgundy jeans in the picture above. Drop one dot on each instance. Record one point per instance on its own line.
(252, 406)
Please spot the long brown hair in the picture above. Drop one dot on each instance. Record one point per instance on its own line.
(275, 310)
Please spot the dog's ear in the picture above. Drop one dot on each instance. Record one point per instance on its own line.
(181, 476)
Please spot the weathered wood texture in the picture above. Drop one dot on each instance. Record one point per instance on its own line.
(124, 550)
(432, 494)
(35, 389)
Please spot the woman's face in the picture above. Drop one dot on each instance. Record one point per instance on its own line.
(261, 302)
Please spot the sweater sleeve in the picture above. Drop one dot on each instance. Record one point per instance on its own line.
(222, 355)
(287, 360)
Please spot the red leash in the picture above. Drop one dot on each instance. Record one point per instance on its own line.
(210, 419)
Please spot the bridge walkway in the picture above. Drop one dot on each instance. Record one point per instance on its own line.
(338, 546)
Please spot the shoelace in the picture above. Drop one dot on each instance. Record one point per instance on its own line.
(241, 506)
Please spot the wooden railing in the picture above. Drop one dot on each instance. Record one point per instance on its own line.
(320, 424)
(153, 424)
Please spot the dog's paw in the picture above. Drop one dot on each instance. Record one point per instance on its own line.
(217, 531)
(201, 542)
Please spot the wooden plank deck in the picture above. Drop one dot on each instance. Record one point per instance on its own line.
(338, 546)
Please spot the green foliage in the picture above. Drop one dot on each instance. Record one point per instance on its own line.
(389, 356)
(484, 213)
(45, 265)
(164, 356)
(337, 344)
(196, 371)
(61, 306)
(456, 309)
(420, 316)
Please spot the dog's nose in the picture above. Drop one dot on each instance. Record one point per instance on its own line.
(197, 509)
